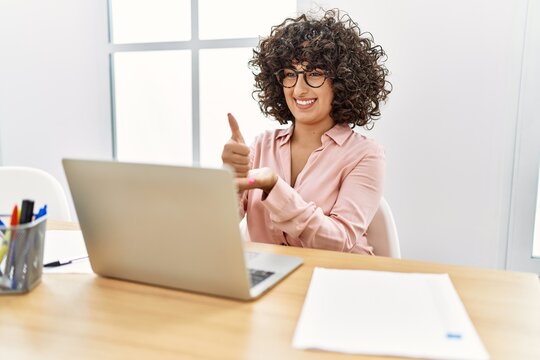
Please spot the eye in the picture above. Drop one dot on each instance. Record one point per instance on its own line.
(316, 74)
(289, 74)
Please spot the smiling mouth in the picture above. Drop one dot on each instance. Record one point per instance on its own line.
(305, 102)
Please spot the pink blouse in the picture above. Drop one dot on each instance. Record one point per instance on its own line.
(333, 200)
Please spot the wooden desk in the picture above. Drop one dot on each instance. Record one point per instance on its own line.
(88, 317)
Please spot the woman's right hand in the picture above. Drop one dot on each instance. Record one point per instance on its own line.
(236, 152)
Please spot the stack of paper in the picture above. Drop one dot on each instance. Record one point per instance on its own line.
(385, 313)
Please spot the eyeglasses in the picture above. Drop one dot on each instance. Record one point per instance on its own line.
(289, 77)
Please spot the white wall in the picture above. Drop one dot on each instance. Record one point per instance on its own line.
(54, 84)
(449, 127)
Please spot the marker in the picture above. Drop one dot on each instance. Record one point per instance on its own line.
(22, 245)
(27, 211)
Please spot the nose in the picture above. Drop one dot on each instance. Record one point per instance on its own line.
(301, 85)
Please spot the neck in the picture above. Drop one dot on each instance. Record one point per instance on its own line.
(310, 134)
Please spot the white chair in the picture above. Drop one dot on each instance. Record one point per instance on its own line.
(382, 232)
(243, 229)
(18, 183)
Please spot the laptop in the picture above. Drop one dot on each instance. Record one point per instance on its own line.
(169, 226)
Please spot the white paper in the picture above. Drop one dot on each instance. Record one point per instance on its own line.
(63, 246)
(386, 313)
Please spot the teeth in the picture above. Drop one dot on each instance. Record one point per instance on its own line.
(305, 102)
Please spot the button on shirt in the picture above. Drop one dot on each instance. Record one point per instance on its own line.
(334, 199)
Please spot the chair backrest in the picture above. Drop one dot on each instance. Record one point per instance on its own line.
(18, 183)
(382, 232)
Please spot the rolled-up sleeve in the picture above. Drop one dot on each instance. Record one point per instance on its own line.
(344, 225)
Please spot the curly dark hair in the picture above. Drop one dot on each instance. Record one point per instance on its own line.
(333, 43)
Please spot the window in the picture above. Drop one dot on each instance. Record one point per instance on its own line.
(152, 96)
(177, 68)
(140, 21)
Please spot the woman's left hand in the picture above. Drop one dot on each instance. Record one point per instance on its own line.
(263, 178)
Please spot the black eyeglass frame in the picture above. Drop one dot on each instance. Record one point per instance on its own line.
(297, 73)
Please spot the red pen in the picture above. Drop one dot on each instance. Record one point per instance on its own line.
(15, 216)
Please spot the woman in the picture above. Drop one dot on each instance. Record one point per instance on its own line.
(318, 183)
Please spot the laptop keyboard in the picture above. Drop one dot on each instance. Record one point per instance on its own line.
(258, 275)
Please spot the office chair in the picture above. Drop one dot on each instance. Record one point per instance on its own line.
(382, 232)
(18, 183)
(243, 229)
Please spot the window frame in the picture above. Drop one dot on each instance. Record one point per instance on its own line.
(194, 45)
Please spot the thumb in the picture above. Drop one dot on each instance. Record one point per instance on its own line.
(235, 129)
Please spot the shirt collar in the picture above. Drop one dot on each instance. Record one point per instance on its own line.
(339, 133)
(285, 134)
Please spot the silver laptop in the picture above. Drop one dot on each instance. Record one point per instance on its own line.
(169, 226)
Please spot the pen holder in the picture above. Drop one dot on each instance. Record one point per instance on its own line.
(21, 256)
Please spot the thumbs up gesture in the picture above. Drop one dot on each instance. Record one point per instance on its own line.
(236, 152)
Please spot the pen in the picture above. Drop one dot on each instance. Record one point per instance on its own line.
(24, 242)
(9, 237)
(3, 244)
(14, 216)
(59, 263)
(8, 234)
